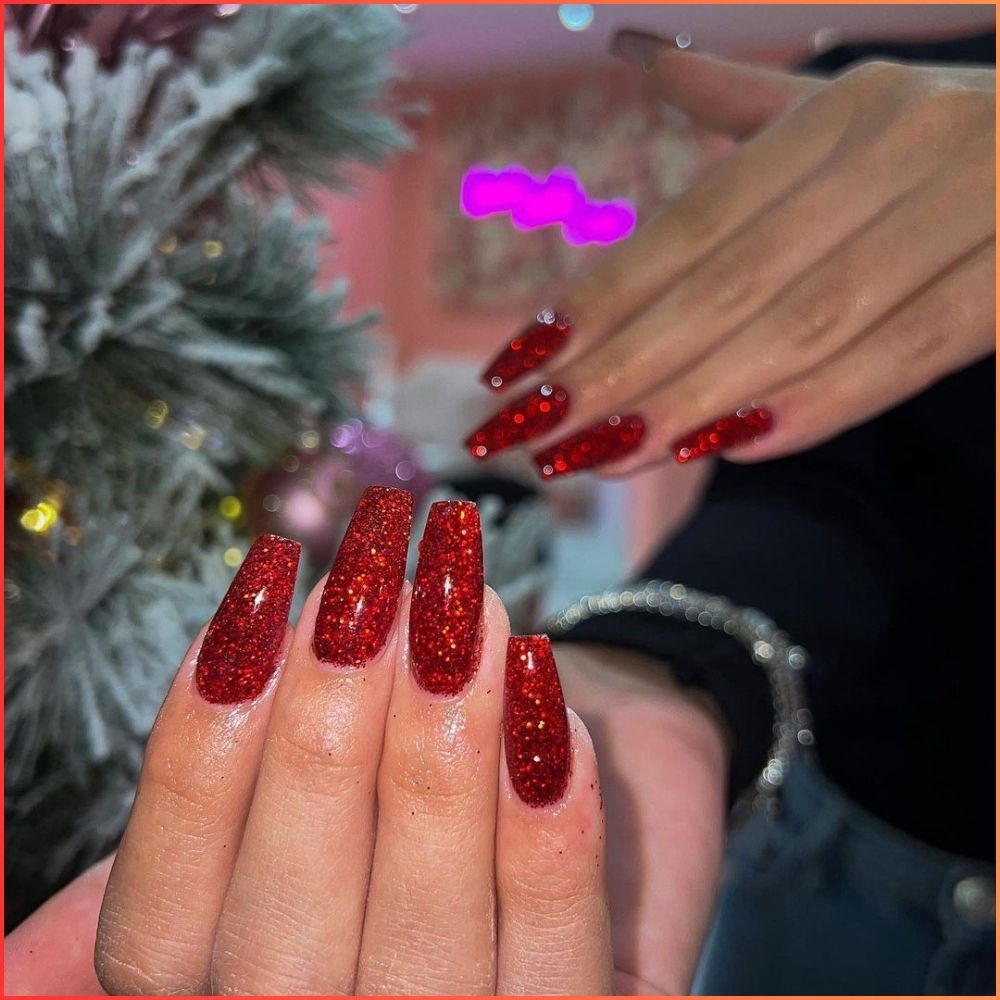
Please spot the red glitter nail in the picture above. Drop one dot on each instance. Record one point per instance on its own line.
(537, 341)
(739, 428)
(615, 438)
(447, 602)
(241, 646)
(536, 730)
(521, 420)
(361, 593)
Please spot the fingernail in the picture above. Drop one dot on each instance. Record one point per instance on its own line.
(739, 428)
(361, 593)
(638, 47)
(534, 344)
(615, 438)
(447, 603)
(244, 638)
(536, 730)
(521, 420)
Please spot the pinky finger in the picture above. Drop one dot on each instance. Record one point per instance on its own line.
(945, 327)
(554, 933)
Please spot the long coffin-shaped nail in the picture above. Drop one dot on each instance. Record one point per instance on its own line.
(739, 428)
(241, 647)
(535, 727)
(520, 420)
(607, 441)
(361, 593)
(537, 342)
(447, 603)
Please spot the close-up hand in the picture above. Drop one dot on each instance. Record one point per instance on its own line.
(326, 810)
(770, 306)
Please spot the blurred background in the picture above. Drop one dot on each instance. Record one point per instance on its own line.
(240, 287)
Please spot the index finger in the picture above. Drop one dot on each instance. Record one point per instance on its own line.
(170, 876)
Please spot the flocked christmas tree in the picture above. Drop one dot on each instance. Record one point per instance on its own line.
(164, 330)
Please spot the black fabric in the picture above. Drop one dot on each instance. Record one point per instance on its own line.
(875, 551)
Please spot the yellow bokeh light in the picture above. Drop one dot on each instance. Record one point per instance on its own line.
(40, 518)
(230, 508)
(309, 440)
(167, 244)
(212, 249)
(156, 414)
(232, 557)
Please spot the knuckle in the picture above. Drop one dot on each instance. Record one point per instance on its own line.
(555, 894)
(135, 965)
(730, 281)
(186, 793)
(815, 314)
(702, 220)
(874, 74)
(316, 757)
(438, 783)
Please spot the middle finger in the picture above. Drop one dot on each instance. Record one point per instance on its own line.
(430, 926)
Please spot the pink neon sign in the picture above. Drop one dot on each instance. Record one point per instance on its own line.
(558, 199)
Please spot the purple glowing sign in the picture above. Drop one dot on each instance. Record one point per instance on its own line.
(558, 199)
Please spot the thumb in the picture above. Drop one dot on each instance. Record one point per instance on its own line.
(52, 952)
(723, 96)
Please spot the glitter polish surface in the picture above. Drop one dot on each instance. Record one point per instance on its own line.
(612, 439)
(536, 730)
(521, 420)
(447, 604)
(534, 344)
(739, 428)
(241, 647)
(361, 593)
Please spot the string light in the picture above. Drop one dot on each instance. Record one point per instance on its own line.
(167, 244)
(193, 437)
(232, 557)
(230, 508)
(156, 414)
(309, 440)
(41, 518)
(213, 249)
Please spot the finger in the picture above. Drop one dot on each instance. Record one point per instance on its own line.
(292, 919)
(174, 862)
(727, 97)
(640, 269)
(945, 327)
(430, 924)
(52, 952)
(554, 932)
